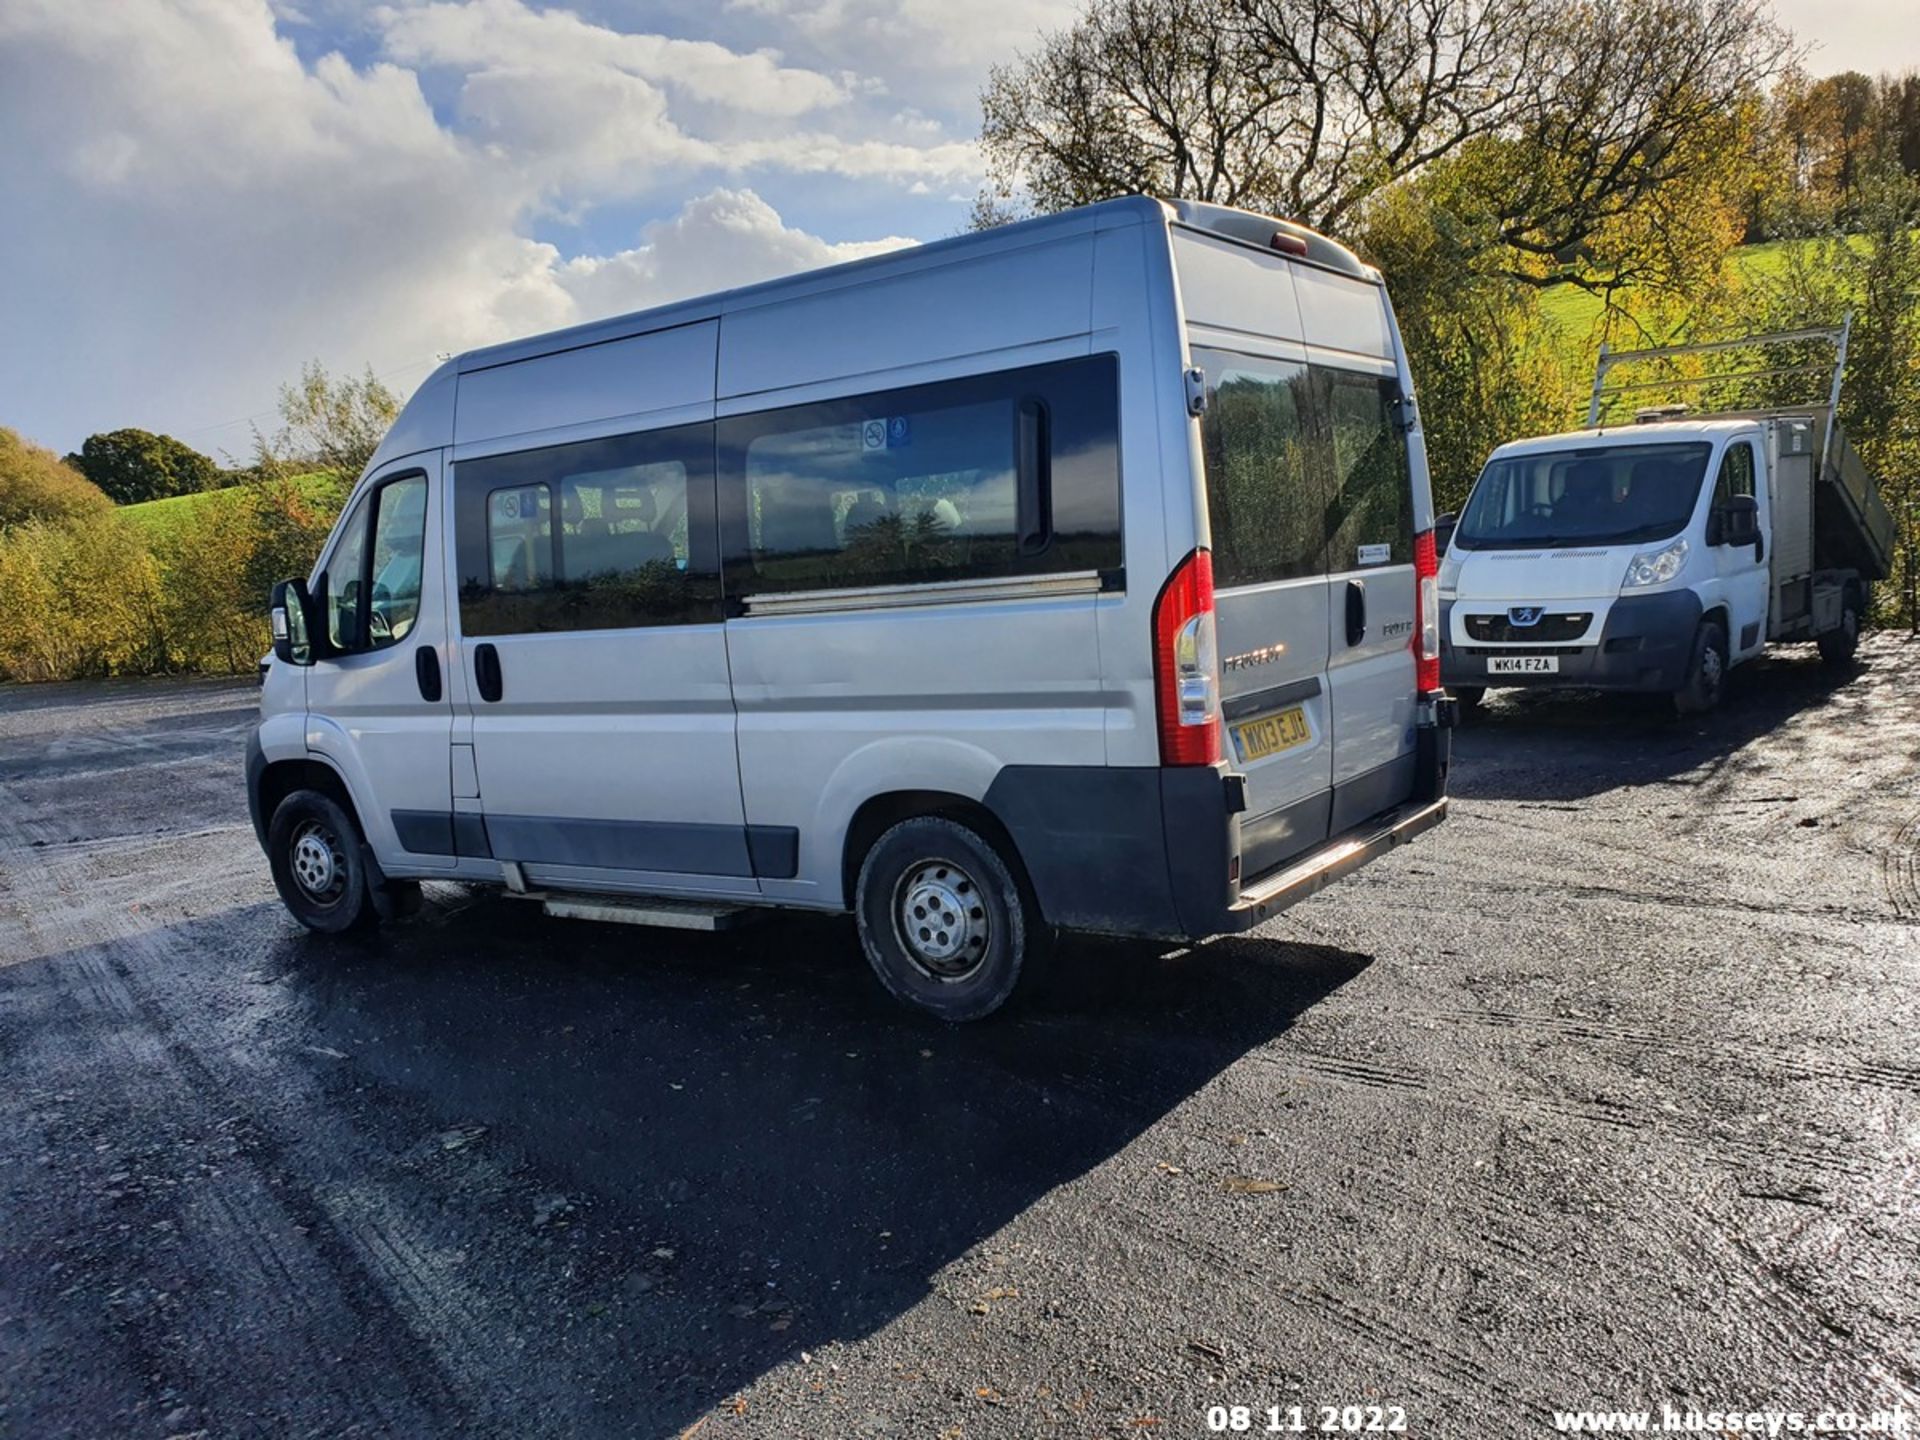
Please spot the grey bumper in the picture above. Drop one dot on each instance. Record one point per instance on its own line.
(1645, 645)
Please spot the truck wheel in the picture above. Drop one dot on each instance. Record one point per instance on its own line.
(1706, 671)
(1838, 645)
(314, 849)
(1469, 698)
(944, 923)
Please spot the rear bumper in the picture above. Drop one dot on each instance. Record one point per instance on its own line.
(1150, 852)
(1645, 645)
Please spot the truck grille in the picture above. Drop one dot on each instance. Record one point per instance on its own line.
(1548, 630)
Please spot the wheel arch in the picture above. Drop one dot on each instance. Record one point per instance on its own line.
(880, 813)
(280, 778)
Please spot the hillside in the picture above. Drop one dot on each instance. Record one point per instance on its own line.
(157, 517)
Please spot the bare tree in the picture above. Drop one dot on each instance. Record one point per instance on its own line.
(1562, 117)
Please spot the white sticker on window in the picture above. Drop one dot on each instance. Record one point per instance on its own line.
(1375, 554)
(873, 435)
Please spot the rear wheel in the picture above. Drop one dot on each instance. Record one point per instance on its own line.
(319, 866)
(945, 925)
(1706, 680)
(1838, 645)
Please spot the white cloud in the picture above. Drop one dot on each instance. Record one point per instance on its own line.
(723, 239)
(482, 35)
(193, 210)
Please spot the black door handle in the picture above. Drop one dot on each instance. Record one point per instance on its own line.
(426, 669)
(486, 671)
(1356, 611)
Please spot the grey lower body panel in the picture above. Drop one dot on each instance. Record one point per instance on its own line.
(1646, 645)
(1153, 851)
(668, 847)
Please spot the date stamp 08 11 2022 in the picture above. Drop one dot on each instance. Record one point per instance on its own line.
(1307, 1419)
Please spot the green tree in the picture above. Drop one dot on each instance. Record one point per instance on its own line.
(135, 465)
(327, 424)
(36, 485)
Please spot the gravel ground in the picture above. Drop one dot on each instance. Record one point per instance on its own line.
(1605, 1093)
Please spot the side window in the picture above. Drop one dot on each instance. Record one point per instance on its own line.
(1736, 473)
(1266, 509)
(1370, 519)
(399, 548)
(601, 535)
(997, 475)
(343, 576)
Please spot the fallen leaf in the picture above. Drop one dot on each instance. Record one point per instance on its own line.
(1247, 1185)
(988, 1394)
(978, 1307)
(1003, 1292)
(1142, 1422)
(694, 1429)
(739, 1406)
(1165, 1168)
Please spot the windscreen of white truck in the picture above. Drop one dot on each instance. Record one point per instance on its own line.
(1593, 495)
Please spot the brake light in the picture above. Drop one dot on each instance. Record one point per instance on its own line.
(1426, 612)
(1186, 668)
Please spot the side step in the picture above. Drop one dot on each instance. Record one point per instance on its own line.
(660, 913)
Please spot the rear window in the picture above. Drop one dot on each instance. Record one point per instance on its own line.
(1306, 467)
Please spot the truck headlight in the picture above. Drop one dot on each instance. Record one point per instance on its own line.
(1655, 567)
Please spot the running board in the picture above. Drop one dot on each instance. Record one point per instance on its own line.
(661, 914)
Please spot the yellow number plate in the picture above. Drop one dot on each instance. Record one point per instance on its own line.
(1270, 734)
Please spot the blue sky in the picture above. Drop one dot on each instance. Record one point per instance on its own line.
(200, 195)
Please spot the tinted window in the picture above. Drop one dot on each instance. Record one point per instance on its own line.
(399, 547)
(1595, 495)
(1266, 508)
(927, 484)
(1370, 520)
(1736, 472)
(601, 535)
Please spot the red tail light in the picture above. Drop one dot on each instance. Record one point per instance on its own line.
(1426, 611)
(1186, 668)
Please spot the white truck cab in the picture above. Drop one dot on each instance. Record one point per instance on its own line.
(1076, 574)
(1656, 554)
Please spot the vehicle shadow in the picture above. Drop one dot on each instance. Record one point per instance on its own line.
(762, 1154)
(1566, 745)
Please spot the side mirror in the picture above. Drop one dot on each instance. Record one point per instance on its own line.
(1736, 522)
(1443, 530)
(294, 618)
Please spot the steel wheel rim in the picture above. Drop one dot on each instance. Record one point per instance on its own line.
(942, 920)
(1710, 671)
(318, 864)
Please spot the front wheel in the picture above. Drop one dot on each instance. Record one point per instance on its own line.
(1706, 678)
(1838, 645)
(319, 864)
(945, 925)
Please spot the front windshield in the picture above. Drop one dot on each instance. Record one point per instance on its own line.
(1596, 495)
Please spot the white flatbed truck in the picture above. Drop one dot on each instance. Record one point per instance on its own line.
(1655, 552)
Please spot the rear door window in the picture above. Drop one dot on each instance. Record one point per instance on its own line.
(1265, 503)
(1370, 517)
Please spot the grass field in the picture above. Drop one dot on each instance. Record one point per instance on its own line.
(157, 517)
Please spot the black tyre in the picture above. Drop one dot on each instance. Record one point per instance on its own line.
(1706, 680)
(946, 926)
(1469, 697)
(319, 864)
(1837, 646)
